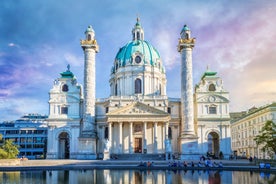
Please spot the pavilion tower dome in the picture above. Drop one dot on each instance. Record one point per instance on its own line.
(138, 68)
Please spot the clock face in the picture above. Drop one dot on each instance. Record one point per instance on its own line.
(138, 59)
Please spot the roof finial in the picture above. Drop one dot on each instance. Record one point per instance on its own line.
(68, 67)
(138, 18)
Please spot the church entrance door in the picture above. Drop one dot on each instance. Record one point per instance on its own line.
(213, 144)
(63, 146)
(138, 145)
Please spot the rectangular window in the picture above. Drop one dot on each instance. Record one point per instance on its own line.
(212, 110)
(64, 110)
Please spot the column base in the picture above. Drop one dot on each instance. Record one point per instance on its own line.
(87, 148)
(188, 144)
(88, 134)
(106, 156)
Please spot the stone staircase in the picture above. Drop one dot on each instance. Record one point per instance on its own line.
(138, 156)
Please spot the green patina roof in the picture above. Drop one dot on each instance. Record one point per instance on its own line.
(208, 73)
(89, 29)
(67, 73)
(149, 53)
(185, 28)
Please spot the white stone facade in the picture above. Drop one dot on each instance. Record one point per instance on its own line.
(212, 116)
(138, 118)
(65, 109)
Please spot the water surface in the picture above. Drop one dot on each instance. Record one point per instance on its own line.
(135, 177)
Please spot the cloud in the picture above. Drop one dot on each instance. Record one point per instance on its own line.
(73, 60)
(12, 45)
(11, 108)
(235, 38)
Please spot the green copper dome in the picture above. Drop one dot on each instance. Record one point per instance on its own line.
(137, 52)
(148, 53)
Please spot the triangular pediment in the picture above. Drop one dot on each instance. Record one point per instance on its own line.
(139, 112)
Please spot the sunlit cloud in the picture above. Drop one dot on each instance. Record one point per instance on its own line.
(234, 38)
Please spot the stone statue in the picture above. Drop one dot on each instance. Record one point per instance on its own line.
(168, 146)
(106, 145)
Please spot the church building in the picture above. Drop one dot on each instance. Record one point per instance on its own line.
(138, 119)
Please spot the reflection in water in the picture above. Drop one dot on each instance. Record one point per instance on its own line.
(135, 177)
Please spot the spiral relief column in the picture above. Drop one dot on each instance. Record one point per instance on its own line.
(88, 134)
(188, 139)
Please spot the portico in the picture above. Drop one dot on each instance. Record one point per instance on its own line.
(137, 128)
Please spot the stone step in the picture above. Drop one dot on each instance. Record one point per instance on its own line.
(138, 156)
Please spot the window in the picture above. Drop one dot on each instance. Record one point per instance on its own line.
(170, 133)
(106, 132)
(138, 87)
(212, 110)
(138, 59)
(65, 88)
(212, 87)
(116, 89)
(64, 110)
(187, 36)
(89, 37)
(106, 110)
(169, 110)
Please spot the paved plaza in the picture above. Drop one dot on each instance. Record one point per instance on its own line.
(120, 164)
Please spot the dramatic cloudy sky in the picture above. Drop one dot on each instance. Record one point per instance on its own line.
(39, 38)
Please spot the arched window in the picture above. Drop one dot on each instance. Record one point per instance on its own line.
(170, 133)
(187, 36)
(212, 87)
(65, 88)
(106, 132)
(138, 36)
(138, 86)
(169, 110)
(89, 37)
(116, 66)
(116, 89)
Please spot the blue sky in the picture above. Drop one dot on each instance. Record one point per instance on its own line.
(39, 38)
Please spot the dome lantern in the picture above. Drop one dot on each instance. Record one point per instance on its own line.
(137, 31)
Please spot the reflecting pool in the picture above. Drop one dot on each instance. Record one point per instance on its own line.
(135, 177)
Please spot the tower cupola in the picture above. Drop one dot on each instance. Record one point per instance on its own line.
(137, 31)
(185, 32)
(90, 34)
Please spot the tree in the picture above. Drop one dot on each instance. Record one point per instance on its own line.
(8, 149)
(267, 137)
